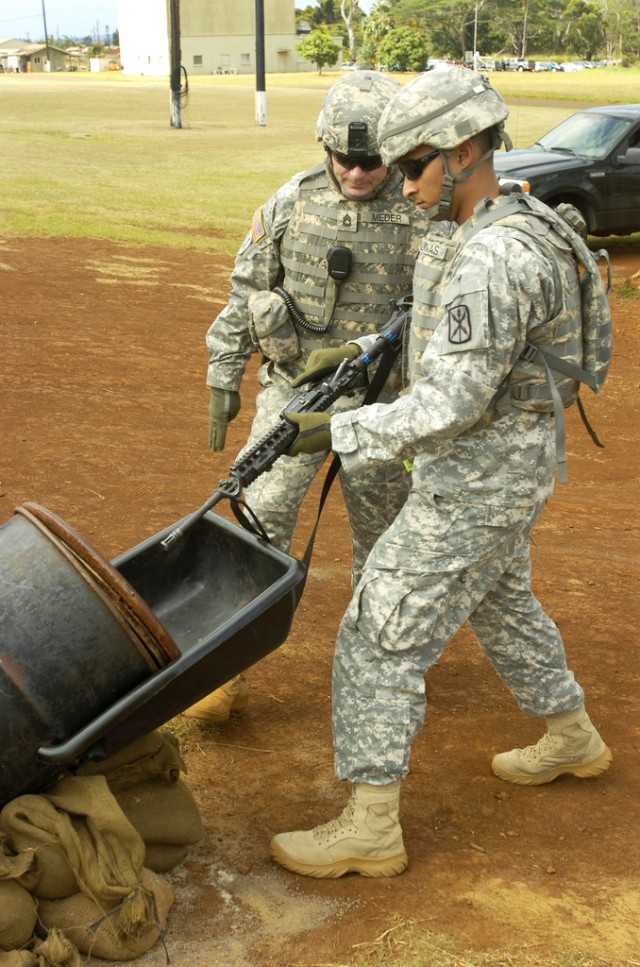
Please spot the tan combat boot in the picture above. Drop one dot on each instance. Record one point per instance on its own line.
(366, 838)
(231, 697)
(571, 746)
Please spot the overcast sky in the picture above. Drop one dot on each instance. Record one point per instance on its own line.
(65, 18)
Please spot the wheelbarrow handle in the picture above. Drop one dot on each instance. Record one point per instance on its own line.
(193, 518)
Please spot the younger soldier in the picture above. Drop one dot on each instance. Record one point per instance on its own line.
(493, 274)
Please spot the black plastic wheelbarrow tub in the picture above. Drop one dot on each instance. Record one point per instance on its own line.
(94, 655)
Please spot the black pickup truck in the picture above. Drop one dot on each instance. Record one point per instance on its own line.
(592, 160)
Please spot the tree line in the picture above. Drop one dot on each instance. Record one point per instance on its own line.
(403, 33)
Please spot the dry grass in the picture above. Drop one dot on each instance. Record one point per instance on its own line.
(411, 944)
(95, 155)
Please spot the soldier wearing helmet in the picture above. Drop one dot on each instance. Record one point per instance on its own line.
(318, 267)
(496, 274)
(442, 123)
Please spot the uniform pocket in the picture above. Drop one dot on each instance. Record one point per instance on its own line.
(272, 327)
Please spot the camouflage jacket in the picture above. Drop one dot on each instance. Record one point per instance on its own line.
(494, 290)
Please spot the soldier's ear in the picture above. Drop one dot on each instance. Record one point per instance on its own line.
(464, 154)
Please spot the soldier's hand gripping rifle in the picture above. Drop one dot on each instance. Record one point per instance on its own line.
(318, 398)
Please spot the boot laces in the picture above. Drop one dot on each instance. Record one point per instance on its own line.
(331, 830)
(548, 743)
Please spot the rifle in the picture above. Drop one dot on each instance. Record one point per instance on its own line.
(330, 386)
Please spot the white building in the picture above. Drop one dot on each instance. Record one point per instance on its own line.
(216, 37)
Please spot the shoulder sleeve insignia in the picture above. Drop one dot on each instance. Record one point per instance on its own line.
(258, 230)
(459, 325)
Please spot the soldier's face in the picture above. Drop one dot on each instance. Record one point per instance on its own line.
(422, 170)
(357, 182)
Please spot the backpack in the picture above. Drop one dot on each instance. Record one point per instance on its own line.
(563, 376)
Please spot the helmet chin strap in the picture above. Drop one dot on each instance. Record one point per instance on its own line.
(443, 208)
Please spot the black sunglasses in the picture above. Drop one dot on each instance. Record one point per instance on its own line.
(367, 164)
(412, 168)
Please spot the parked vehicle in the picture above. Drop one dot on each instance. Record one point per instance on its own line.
(571, 66)
(518, 64)
(592, 160)
(547, 65)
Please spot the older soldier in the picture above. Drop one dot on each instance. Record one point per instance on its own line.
(322, 261)
(491, 271)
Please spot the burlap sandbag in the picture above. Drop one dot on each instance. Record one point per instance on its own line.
(145, 779)
(22, 867)
(166, 816)
(98, 843)
(56, 950)
(18, 915)
(156, 754)
(29, 823)
(18, 958)
(93, 931)
(163, 857)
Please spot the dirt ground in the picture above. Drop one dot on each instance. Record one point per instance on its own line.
(104, 422)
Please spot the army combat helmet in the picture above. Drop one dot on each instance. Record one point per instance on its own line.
(442, 109)
(348, 121)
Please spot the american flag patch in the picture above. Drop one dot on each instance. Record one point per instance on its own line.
(257, 226)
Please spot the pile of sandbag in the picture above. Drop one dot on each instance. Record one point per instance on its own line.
(81, 863)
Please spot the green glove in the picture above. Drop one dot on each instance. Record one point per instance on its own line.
(224, 406)
(314, 432)
(322, 361)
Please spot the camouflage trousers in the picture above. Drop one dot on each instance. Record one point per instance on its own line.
(372, 499)
(440, 563)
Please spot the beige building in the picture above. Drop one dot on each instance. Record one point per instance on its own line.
(216, 37)
(22, 57)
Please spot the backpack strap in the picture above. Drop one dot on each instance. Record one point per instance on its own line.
(562, 366)
(533, 354)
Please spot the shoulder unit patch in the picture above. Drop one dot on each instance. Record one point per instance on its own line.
(459, 325)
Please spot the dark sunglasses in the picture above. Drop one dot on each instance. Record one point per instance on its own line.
(412, 168)
(367, 164)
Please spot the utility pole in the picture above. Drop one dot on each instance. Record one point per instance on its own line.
(176, 101)
(475, 35)
(261, 96)
(524, 27)
(46, 36)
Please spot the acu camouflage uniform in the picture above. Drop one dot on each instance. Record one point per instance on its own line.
(482, 470)
(287, 247)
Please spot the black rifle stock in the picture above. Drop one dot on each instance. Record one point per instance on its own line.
(259, 458)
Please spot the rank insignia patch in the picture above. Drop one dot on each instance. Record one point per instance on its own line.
(459, 325)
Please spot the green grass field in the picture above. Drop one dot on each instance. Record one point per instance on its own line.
(94, 155)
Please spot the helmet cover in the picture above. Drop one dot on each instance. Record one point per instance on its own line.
(348, 121)
(439, 108)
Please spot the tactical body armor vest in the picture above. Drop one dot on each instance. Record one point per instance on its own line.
(429, 280)
(382, 235)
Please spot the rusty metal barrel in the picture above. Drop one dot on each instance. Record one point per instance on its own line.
(95, 654)
(74, 636)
